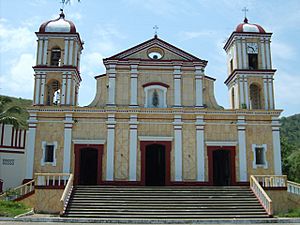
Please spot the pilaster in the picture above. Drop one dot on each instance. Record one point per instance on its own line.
(133, 85)
(68, 124)
(177, 86)
(178, 147)
(199, 74)
(111, 85)
(45, 51)
(110, 148)
(276, 146)
(200, 149)
(133, 123)
(241, 125)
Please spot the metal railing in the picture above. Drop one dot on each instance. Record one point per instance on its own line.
(51, 179)
(261, 195)
(66, 194)
(18, 192)
(273, 181)
(293, 187)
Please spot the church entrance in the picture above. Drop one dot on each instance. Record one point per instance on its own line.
(155, 165)
(221, 170)
(88, 164)
(221, 162)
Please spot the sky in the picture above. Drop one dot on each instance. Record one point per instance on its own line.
(107, 27)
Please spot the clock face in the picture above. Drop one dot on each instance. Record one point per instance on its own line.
(252, 48)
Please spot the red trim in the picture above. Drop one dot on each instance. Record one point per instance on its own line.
(77, 148)
(12, 136)
(102, 75)
(26, 181)
(24, 196)
(2, 135)
(156, 83)
(168, 147)
(24, 139)
(16, 137)
(275, 188)
(122, 183)
(20, 138)
(50, 187)
(17, 152)
(210, 150)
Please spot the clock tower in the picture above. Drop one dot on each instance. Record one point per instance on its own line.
(249, 66)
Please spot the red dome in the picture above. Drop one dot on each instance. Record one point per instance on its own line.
(249, 28)
(59, 25)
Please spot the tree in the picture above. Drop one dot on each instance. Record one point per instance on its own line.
(7, 114)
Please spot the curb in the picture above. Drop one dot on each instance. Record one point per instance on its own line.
(155, 221)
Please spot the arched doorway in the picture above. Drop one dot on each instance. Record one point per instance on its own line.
(88, 164)
(155, 165)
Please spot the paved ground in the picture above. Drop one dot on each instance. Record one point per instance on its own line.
(55, 223)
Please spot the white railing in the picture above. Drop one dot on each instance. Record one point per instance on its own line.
(293, 187)
(66, 195)
(18, 191)
(51, 179)
(273, 181)
(261, 195)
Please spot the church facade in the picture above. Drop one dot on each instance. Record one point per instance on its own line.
(154, 119)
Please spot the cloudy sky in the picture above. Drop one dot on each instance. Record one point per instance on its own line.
(199, 27)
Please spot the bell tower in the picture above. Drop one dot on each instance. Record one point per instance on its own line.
(57, 69)
(249, 66)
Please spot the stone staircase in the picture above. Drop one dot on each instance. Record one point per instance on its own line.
(163, 203)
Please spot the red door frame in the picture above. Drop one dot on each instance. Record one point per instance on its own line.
(168, 147)
(210, 150)
(77, 148)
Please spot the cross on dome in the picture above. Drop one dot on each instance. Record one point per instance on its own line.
(155, 28)
(245, 10)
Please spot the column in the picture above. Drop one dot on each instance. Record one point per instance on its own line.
(73, 90)
(178, 147)
(246, 90)
(199, 74)
(133, 86)
(242, 148)
(200, 149)
(110, 148)
(244, 50)
(37, 89)
(43, 84)
(68, 122)
(66, 51)
(40, 51)
(241, 89)
(32, 122)
(177, 86)
(276, 145)
(235, 62)
(111, 85)
(69, 82)
(268, 54)
(239, 50)
(270, 89)
(71, 52)
(263, 56)
(265, 79)
(63, 88)
(45, 51)
(76, 53)
(133, 123)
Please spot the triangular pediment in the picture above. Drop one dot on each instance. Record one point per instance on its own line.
(169, 52)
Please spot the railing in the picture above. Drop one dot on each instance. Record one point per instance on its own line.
(51, 179)
(66, 195)
(261, 195)
(18, 192)
(293, 187)
(272, 181)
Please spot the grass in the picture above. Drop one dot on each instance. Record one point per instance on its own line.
(11, 209)
(291, 213)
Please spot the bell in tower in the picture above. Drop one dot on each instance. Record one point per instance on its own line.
(249, 66)
(57, 71)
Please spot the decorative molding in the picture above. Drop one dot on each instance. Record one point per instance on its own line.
(221, 143)
(155, 138)
(89, 142)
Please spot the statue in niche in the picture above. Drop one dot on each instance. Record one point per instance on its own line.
(155, 99)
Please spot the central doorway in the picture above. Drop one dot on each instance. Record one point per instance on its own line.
(155, 165)
(221, 168)
(88, 166)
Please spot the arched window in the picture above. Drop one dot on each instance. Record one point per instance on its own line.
(232, 99)
(55, 57)
(255, 101)
(155, 95)
(53, 93)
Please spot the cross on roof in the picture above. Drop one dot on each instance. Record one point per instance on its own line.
(245, 10)
(155, 28)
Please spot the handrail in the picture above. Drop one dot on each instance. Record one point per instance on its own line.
(261, 195)
(19, 191)
(293, 187)
(66, 194)
(272, 180)
(51, 179)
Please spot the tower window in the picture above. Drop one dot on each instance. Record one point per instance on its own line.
(255, 101)
(53, 93)
(253, 61)
(55, 57)
(49, 153)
